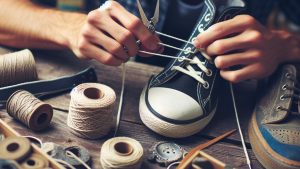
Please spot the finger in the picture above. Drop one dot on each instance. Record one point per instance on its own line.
(243, 58)
(98, 38)
(246, 73)
(222, 29)
(135, 25)
(120, 34)
(242, 41)
(102, 21)
(90, 50)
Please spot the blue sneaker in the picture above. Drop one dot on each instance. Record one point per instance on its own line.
(274, 128)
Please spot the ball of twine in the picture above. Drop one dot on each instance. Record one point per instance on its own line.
(91, 110)
(121, 153)
(31, 111)
(17, 67)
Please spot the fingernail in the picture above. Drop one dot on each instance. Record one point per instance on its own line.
(196, 43)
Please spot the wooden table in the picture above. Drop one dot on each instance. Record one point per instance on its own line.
(52, 64)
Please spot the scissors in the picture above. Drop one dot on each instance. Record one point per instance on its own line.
(150, 24)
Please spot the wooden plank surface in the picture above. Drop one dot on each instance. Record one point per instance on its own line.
(51, 64)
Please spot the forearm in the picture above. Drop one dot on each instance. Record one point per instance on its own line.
(26, 25)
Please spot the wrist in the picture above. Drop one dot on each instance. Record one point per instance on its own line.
(65, 28)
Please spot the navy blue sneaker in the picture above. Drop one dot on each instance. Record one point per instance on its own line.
(274, 128)
(182, 99)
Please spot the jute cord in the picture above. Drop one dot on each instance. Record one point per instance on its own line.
(28, 109)
(17, 67)
(121, 153)
(91, 110)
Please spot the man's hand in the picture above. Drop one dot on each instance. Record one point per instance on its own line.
(243, 41)
(109, 35)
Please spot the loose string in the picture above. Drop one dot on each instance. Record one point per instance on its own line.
(186, 51)
(17, 67)
(78, 159)
(121, 153)
(28, 109)
(119, 113)
(239, 126)
(91, 110)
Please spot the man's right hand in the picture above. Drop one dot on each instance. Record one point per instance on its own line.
(109, 35)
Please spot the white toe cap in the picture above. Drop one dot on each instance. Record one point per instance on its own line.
(173, 104)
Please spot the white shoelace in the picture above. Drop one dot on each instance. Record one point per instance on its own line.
(188, 70)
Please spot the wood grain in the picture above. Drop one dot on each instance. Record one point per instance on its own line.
(51, 64)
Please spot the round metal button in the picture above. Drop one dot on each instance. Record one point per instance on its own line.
(166, 153)
(15, 148)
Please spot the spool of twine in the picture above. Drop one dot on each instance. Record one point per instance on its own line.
(17, 67)
(121, 153)
(31, 111)
(91, 110)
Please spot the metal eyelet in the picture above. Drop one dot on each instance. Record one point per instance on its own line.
(181, 58)
(288, 75)
(206, 85)
(282, 97)
(209, 72)
(278, 108)
(284, 87)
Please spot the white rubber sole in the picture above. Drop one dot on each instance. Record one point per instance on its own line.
(169, 129)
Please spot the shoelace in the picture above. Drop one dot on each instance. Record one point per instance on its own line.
(295, 97)
(188, 70)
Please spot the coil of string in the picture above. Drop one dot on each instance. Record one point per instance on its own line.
(121, 153)
(91, 110)
(31, 111)
(17, 67)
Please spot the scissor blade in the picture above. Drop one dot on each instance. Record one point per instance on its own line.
(156, 14)
(142, 14)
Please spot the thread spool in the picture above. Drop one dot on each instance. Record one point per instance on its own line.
(31, 111)
(121, 153)
(17, 67)
(35, 161)
(91, 110)
(15, 148)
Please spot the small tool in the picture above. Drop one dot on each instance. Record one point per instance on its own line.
(150, 24)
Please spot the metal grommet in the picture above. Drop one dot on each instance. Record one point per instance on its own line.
(181, 58)
(81, 152)
(278, 108)
(209, 72)
(15, 148)
(284, 87)
(282, 97)
(9, 164)
(206, 85)
(35, 161)
(287, 75)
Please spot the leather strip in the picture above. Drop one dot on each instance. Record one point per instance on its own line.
(201, 147)
(47, 87)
